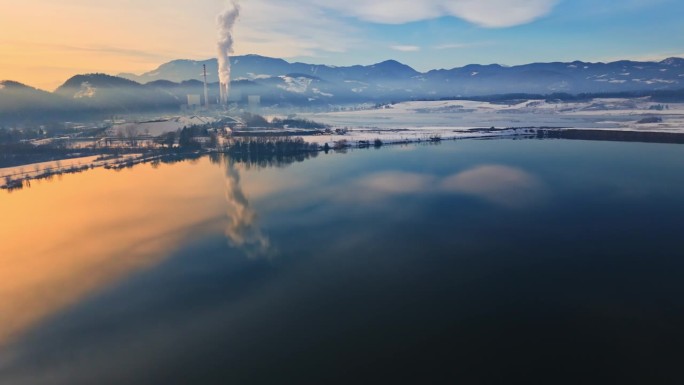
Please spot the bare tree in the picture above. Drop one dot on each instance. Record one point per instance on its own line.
(131, 132)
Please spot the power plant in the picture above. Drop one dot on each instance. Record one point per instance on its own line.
(224, 91)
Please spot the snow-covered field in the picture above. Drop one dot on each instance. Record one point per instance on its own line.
(421, 134)
(454, 119)
(36, 169)
(162, 125)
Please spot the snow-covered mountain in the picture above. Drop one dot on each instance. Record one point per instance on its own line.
(394, 79)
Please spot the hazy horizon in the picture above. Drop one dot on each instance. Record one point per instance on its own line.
(58, 83)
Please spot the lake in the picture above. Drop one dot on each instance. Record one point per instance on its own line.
(474, 262)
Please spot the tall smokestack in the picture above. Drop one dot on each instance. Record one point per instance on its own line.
(206, 88)
(226, 20)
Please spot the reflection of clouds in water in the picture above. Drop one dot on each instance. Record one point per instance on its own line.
(242, 230)
(502, 185)
(396, 182)
(375, 187)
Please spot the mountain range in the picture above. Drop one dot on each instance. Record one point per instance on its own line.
(283, 84)
(394, 79)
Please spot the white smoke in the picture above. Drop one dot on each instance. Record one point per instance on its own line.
(226, 21)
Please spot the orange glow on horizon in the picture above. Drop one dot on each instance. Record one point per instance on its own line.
(43, 42)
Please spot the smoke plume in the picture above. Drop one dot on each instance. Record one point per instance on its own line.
(226, 20)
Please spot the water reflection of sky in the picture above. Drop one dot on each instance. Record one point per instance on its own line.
(64, 240)
(149, 275)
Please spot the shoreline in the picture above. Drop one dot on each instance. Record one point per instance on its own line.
(16, 181)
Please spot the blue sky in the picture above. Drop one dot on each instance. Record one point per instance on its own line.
(572, 30)
(43, 42)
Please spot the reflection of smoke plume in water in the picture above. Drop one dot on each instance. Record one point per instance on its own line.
(226, 20)
(242, 230)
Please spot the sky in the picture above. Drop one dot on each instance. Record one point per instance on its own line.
(44, 42)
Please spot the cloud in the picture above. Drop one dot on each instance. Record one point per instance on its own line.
(485, 13)
(500, 13)
(405, 48)
(127, 52)
(452, 46)
(461, 45)
(275, 28)
(320, 27)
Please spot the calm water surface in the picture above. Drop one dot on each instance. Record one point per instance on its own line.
(467, 262)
